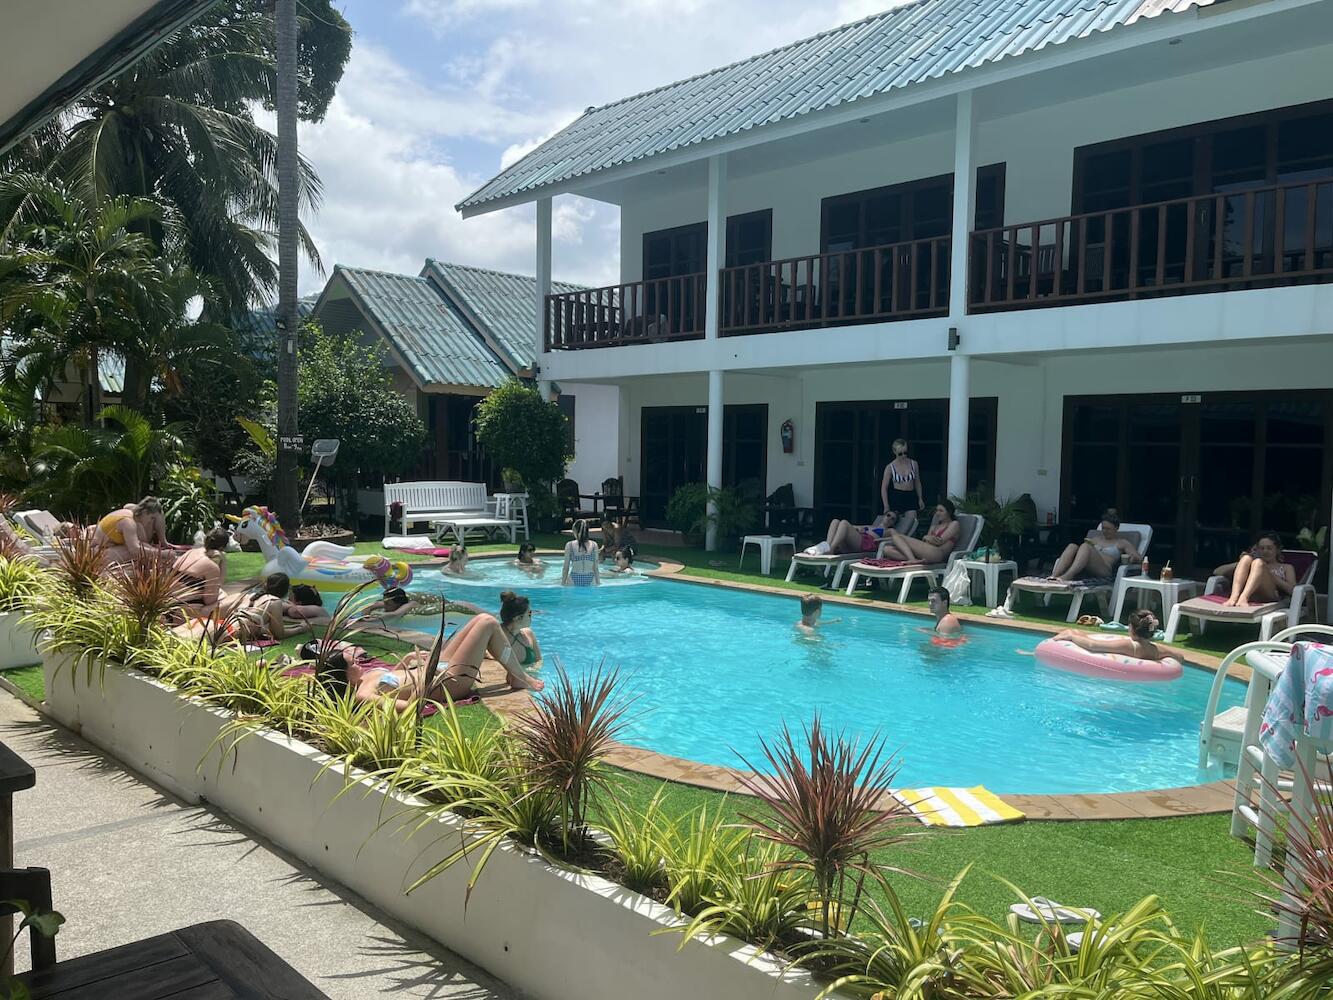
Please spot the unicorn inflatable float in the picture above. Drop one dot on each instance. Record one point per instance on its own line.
(323, 564)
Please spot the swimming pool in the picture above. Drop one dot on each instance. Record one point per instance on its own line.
(715, 669)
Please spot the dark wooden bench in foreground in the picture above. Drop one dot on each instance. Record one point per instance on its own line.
(217, 960)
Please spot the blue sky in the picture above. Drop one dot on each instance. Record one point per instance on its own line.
(439, 94)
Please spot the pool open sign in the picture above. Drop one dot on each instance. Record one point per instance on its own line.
(292, 443)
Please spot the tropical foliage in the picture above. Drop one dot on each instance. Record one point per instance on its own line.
(521, 431)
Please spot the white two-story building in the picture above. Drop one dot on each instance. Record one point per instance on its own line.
(1081, 249)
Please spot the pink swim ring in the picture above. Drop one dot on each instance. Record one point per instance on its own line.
(1065, 655)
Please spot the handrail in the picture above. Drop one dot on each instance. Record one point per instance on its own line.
(651, 311)
(867, 284)
(1202, 242)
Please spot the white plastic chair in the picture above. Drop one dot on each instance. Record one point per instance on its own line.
(1256, 769)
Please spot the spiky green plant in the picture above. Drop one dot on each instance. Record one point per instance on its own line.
(80, 562)
(20, 582)
(757, 900)
(638, 842)
(147, 589)
(567, 737)
(829, 805)
(698, 856)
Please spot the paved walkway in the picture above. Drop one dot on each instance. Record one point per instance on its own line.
(128, 861)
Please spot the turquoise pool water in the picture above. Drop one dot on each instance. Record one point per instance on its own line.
(714, 670)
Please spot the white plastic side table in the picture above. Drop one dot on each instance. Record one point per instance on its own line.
(990, 572)
(766, 544)
(1172, 591)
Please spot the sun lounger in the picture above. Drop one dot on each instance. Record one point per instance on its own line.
(1139, 535)
(911, 570)
(1211, 607)
(834, 563)
(41, 524)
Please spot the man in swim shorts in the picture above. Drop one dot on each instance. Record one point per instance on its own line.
(946, 622)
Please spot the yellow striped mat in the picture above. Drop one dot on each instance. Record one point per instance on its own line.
(957, 806)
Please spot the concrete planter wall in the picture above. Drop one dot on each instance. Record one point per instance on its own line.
(18, 643)
(550, 932)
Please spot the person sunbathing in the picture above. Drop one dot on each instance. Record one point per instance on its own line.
(844, 536)
(1142, 624)
(459, 671)
(1259, 576)
(1098, 555)
(248, 617)
(203, 571)
(306, 605)
(132, 529)
(935, 547)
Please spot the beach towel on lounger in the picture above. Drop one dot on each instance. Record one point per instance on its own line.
(1214, 606)
(891, 563)
(1063, 586)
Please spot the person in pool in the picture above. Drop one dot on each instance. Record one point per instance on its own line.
(406, 682)
(581, 562)
(812, 607)
(1259, 576)
(1142, 624)
(527, 560)
(624, 561)
(1098, 555)
(946, 622)
(457, 561)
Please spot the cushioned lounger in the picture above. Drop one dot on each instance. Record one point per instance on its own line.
(910, 570)
(1212, 606)
(1138, 535)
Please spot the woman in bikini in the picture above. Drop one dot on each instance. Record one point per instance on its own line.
(844, 536)
(458, 673)
(581, 561)
(1098, 555)
(457, 561)
(133, 529)
(1142, 624)
(940, 538)
(900, 489)
(204, 571)
(258, 614)
(1259, 576)
(516, 620)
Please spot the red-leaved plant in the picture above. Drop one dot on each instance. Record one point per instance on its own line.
(80, 561)
(147, 589)
(1308, 900)
(829, 804)
(565, 740)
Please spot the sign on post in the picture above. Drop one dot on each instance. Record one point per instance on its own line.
(291, 443)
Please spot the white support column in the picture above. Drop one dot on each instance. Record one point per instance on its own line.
(543, 290)
(717, 240)
(959, 388)
(964, 210)
(714, 449)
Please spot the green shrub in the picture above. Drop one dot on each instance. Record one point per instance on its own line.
(733, 515)
(20, 582)
(523, 433)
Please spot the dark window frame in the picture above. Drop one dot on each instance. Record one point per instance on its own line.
(733, 222)
(1202, 133)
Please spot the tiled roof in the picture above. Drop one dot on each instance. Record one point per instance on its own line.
(110, 367)
(431, 336)
(264, 322)
(908, 45)
(501, 305)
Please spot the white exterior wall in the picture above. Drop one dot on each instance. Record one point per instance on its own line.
(596, 433)
(1030, 394)
(1038, 147)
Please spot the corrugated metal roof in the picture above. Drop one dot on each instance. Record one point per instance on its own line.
(263, 322)
(501, 305)
(907, 45)
(431, 335)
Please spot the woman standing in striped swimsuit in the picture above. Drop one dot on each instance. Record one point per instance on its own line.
(581, 560)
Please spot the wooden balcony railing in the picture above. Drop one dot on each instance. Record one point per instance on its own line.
(898, 281)
(1218, 242)
(641, 312)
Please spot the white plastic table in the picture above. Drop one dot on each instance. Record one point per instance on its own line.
(766, 544)
(990, 572)
(1172, 591)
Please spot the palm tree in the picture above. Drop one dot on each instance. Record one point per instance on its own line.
(163, 338)
(285, 483)
(90, 470)
(180, 126)
(73, 280)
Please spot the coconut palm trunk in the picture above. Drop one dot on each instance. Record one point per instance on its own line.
(285, 484)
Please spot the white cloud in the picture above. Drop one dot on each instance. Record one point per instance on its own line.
(399, 148)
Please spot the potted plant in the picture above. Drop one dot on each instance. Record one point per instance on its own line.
(1002, 520)
(20, 579)
(544, 511)
(512, 480)
(688, 512)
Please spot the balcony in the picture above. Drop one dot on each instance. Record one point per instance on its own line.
(1259, 238)
(873, 285)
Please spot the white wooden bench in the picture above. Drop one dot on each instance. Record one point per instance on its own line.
(456, 507)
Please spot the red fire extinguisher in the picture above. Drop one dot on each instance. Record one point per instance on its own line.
(788, 436)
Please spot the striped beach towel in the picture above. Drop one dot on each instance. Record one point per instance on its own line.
(940, 806)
